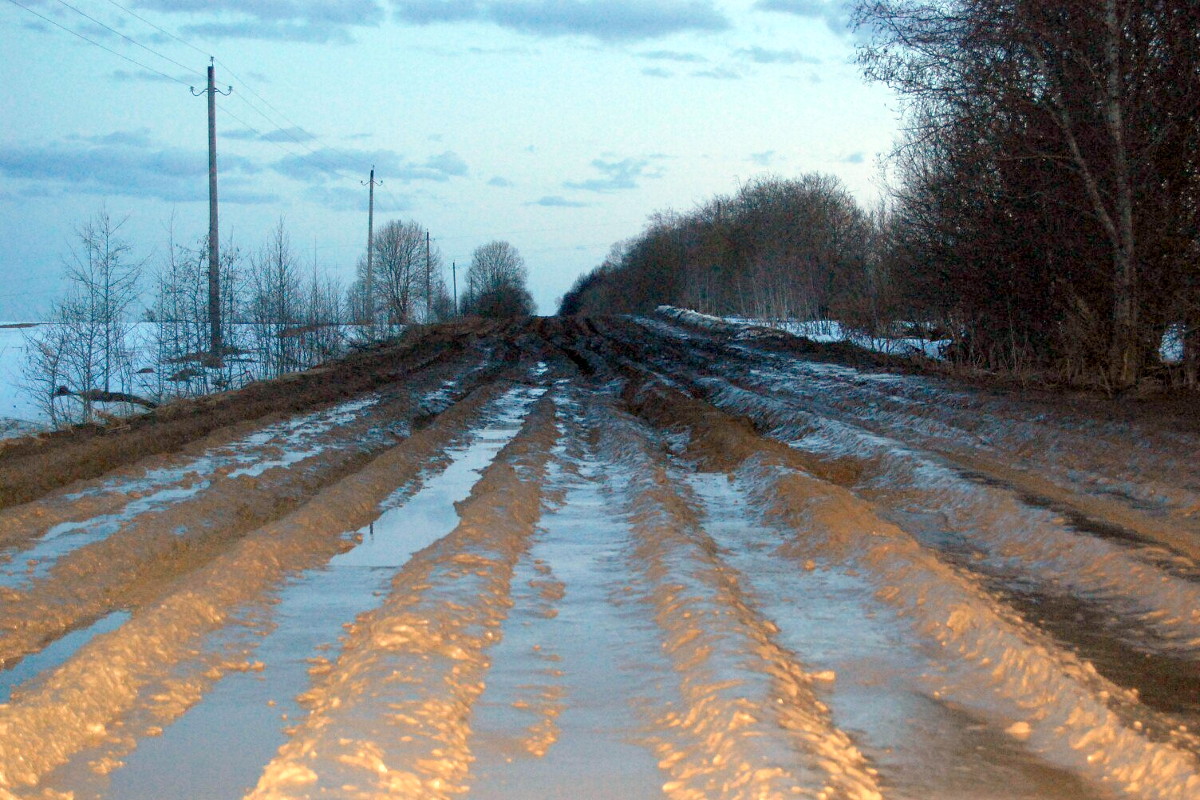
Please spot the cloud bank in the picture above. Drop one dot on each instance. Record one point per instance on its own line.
(834, 13)
(606, 20)
(125, 163)
(332, 163)
(314, 21)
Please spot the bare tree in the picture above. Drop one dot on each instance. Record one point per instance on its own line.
(1072, 124)
(321, 335)
(496, 282)
(274, 303)
(87, 352)
(399, 263)
(105, 280)
(183, 364)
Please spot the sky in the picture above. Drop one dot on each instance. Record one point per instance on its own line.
(559, 126)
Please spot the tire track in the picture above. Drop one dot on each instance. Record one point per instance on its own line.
(392, 716)
(1140, 603)
(577, 658)
(995, 663)
(132, 558)
(1018, 447)
(72, 708)
(301, 633)
(751, 724)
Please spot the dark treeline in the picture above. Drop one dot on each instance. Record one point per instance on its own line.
(777, 249)
(1044, 208)
(1046, 198)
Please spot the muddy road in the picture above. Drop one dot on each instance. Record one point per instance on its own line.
(603, 559)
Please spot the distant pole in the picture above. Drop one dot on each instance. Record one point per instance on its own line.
(214, 254)
(454, 279)
(370, 298)
(428, 283)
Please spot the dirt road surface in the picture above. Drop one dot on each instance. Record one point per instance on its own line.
(623, 558)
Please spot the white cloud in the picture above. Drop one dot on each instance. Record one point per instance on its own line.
(606, 20)
(317, 21)
(557, 201)
(760, 55)
(125, 163)
(616, 175)
(332, 163)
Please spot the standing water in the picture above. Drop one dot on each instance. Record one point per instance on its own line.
(217, 749)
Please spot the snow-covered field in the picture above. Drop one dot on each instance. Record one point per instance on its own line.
(554, 560)
(16, 406)
(20, 412)
(826, 330)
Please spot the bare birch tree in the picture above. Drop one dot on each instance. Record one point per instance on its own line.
(1074, 125)
(87, 351)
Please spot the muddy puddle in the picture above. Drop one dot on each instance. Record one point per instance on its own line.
(218, 748)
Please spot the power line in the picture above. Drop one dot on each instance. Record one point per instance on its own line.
(259, 133)
(283, 116)
(157, 28)
(316, 156)
(123, 36)
(244, 85)
(73, 32)
(77, 34)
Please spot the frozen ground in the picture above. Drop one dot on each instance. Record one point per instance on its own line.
(827, 330)
(616, 559)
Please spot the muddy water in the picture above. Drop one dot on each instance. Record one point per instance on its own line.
(218, 748)
(873, 667)
(35, 563)
(598, 619)
(575, 663)
(56, 653)
(280, 444)
(1129, 608)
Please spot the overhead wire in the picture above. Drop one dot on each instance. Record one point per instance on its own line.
(123, 36)
(324, 164)
(163, 31)
(317, 158)
(93, 42)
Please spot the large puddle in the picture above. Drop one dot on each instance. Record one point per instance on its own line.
(218, 748)
(829, 616)
(558, 719)
(277, 445)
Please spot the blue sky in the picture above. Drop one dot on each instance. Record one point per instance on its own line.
(558, 125)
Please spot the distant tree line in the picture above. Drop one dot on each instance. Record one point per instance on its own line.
(280, 316)
(1047, 190)
(776, 249)
(1044, 210)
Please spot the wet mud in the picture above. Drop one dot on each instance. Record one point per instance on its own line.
(603, 558)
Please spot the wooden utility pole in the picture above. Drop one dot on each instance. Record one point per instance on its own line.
(214, 254)
(370, 289)
(428, 283)
(454, 280)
